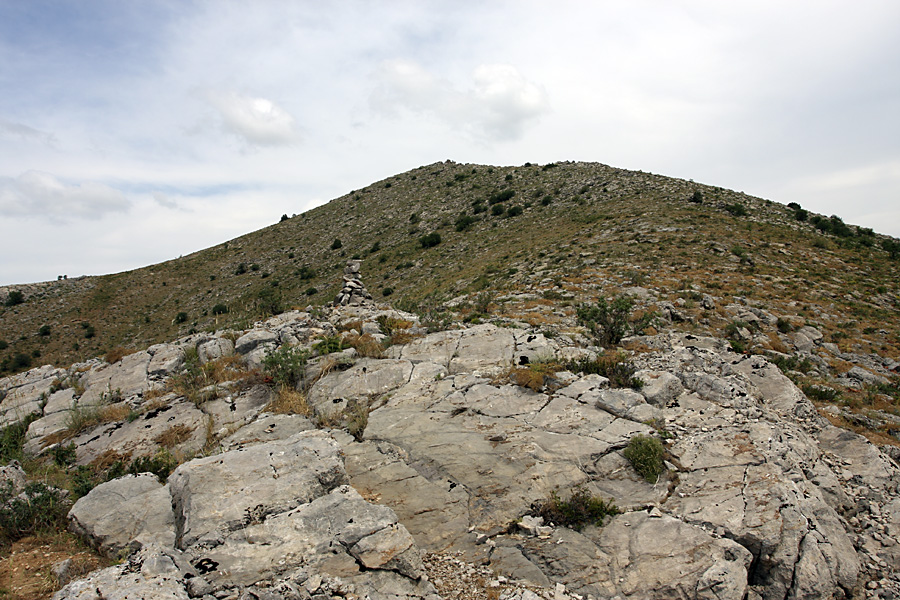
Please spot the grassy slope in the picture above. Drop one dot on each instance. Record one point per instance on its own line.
(603, 227)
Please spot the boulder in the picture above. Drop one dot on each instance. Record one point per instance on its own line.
(125, 514)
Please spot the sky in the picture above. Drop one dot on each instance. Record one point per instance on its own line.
(135, 132)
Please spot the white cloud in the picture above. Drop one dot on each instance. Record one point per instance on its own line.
(501, 105)
(42, 195)
(164, 200)
(257, 121)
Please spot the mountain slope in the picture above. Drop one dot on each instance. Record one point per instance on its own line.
(610, 226)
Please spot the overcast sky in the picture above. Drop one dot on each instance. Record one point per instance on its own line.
(134, 132)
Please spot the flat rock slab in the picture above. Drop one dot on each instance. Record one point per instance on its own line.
(219, 494)
(180, 427)
(125, 514)
(265, 428)
(337, 534)
(124, 379)
(365, 380)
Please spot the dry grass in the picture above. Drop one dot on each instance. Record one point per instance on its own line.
(289, 401)
(116, 354)
(365, 345)
(173, 436)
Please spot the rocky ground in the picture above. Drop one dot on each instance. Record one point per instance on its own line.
(420, 471)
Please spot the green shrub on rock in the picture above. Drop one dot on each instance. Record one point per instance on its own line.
(646, 455)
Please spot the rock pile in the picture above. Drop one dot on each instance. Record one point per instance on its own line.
(354, 293)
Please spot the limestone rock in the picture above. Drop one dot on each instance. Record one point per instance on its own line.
(218, 494)
(125, 514)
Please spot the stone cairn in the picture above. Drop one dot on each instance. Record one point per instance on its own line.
(354, 293)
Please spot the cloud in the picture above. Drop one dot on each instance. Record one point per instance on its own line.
(164, 200)
(501, 104)
(24, 132)
(257, 121)
(42, 195)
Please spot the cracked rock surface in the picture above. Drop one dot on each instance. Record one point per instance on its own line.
(762, 497)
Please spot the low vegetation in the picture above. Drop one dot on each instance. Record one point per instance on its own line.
(647, 455)
(579, 510)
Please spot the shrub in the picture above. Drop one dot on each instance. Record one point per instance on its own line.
(160, 464)
(12, 438)
(284, 218)
(579, 510)
(646, 454)
(465, 222)
(20, 361)
(241, 269)
(38, 508)
(546, 200)
(387, 291)
(286, 365)
(615, 366)
(268, 302)
(336, 244)
(219, 309)
(497, 210)
(89, 330)
(311, 291)
(514, 211)
(784, 325)
(501, 196)
(478, 208)
(430, 240)
(14, 297)
(64, 455)
(697, 197)
(3, 345)
(44, 330)
(609, 322)
(737, 209)
(181, 317)
(801, 214)
(892, 247)
(819, 392)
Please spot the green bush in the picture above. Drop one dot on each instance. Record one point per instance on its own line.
(64, 455)
(160, 464)
(497, 210)
(241, 269)
(329, 344)
(697, 197)
(336, 244)
(609, 322)
(3, 345)
(579, 510)
(430, 240)
(801, 214)
(615, 367)
(501, 196)
(892, 247)
(387, 291)
(646, 455)
(12, 438)
(737, 209)
(286, 365)
(39, 508)
(311, 291)
(465, 222)
(14, 297)
(181, 317)
(514, 211)
(219, 309)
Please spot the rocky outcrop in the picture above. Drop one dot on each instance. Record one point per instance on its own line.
(761, 496)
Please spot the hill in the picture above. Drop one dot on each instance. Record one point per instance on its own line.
(574, 381)
(535, 228)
